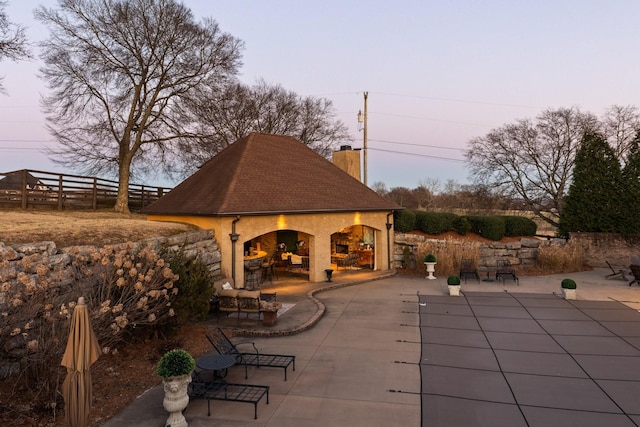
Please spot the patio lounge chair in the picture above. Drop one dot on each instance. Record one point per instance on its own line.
(201, 388)
(468, 269)
(616, 273)
(223, 345)
(505, 270)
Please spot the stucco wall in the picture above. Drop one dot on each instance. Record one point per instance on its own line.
(319, 227)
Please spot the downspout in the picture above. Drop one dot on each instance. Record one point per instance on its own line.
(234, 238)
(389, 241)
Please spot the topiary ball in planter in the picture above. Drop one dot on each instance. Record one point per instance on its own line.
(453, 281)
(429, 258)
(568, 284)
(175, 363)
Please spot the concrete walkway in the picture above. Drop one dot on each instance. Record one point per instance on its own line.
(357, 364)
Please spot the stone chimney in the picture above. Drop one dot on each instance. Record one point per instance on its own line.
(348, 160)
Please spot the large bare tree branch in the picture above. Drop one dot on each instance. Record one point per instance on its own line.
(117, 70)
(532, 161)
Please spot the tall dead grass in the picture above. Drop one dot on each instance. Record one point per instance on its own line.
(448, 254)
(567, 258)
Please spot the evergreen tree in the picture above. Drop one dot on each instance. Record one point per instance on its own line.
(594, 201)
(631, 188)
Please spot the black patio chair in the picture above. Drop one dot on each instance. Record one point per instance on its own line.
(505, 270)
(616, 273)
(223, 345)
(468, 269)
(635, 270)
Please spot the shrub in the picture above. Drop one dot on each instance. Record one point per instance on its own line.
(129, 292)
(491, 227)
(429, 258)
(175, 363)
(453, 280)
(404, 220)
(519, 226)
(568, 284)
(195, 283)
(462, 225)
(435, 222)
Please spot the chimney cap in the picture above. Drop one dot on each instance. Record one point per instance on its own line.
(345, 147)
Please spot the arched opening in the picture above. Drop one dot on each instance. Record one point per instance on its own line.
(276, 255)
(353, 248)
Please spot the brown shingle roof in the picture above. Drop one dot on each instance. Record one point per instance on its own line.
(266, 174)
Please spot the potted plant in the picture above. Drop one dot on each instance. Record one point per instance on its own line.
(453, 282)
(175, 368)
(568, 287)
(430, 262)
(269, 311)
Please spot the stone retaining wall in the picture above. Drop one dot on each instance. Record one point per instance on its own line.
(601, 247)
(597, 247)
(202, 243)
(522, 253)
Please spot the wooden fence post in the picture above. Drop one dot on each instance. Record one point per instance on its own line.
(60, 192)
(94, 202)
(23, 188)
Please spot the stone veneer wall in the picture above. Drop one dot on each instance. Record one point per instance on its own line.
(202, 243)
(601, 247)
(522, 253)
(597, 247)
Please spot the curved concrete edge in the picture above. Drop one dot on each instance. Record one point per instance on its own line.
(317, 315)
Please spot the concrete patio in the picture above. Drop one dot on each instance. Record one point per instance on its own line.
(502, 355)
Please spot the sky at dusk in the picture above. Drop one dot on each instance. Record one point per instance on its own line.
(437, 73)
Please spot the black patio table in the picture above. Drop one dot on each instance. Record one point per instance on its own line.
(216, 363)
(490, 272)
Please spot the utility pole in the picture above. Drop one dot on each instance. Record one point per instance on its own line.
(362, 118)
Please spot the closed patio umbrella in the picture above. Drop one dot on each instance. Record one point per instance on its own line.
(81, 352)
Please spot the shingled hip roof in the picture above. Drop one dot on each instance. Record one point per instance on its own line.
(268, 174)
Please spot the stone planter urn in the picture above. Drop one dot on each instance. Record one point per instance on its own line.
(430, 262)
(175, 368)
(269, 318)
(431, 268)
(176, 399)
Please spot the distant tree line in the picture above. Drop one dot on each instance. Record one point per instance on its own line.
(432, 196)
(533, 161)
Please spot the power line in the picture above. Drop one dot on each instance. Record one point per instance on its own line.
(464, 101)
(418, 145)
(419, 155)
(24, 148)
(430, 119)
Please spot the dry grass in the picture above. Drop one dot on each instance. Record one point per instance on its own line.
(70, 228)
(567, 258)
(448, 254)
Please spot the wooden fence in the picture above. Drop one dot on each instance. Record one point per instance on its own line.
(28, 189)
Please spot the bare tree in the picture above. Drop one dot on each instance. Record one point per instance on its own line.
(118, 70)
(13, 41)
(225, 115)
(619, 126)
(380, 188)
(532, 161)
